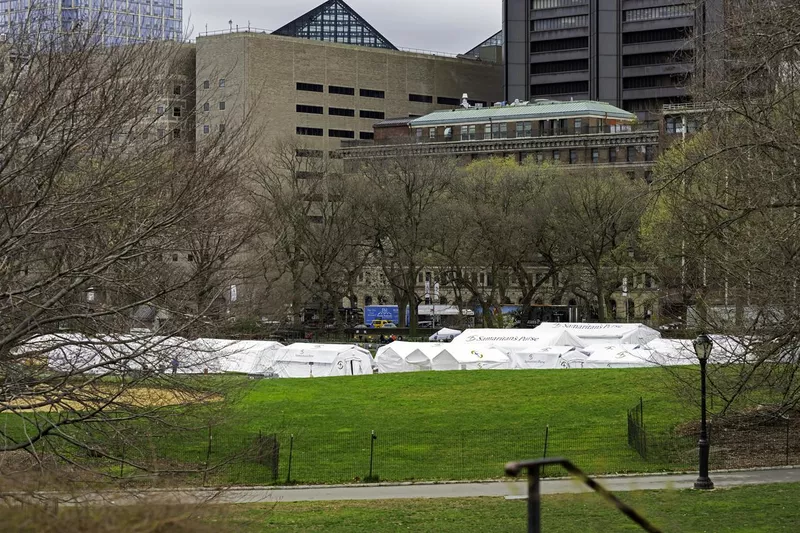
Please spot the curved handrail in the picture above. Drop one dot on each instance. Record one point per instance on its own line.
(533, 468)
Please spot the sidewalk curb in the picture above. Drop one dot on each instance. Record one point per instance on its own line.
(457, 482)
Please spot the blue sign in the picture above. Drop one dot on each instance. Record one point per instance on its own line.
(382, 312)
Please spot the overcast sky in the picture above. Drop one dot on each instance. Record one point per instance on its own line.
(452, 26)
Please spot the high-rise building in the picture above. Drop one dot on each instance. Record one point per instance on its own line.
(635, 54)
(118, 21)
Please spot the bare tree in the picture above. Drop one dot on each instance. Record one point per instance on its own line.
(103, 190)
(725, 222)
(311, 227)
(399, 199)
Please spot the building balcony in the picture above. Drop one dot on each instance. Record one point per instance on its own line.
(559, 77)
(651, 93)
(559, 55)
(604, 136)
(657, 70)
(657, 46)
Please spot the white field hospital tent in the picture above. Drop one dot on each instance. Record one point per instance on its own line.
(602, 333)
(444, 334)
(302, 360)
(223, 355)
(518, 338)
(401, 356)
(616, 356)
(547, 357)
(470, 357)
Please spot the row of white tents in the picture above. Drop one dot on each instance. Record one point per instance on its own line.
(548, 346)
(551, 345)
(80, 354)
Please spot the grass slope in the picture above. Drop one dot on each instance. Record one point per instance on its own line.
(753, 509)
(454, 425)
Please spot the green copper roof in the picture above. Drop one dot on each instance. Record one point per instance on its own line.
(538, 110)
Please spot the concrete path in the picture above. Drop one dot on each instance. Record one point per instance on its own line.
(510, 490)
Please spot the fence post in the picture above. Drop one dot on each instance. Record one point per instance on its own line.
(208, 456)
(289, 469)
(544, 453)
(122, 459)
(371, 452)
(787, 440)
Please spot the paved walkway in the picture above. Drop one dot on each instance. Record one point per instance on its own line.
(511, 490)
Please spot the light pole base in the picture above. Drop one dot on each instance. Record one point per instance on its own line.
(703, 484)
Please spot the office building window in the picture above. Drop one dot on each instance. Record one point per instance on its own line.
(431, 133)
(222, 82)
(371, 114)
(314, 132)
(574, 43)
(499, 130)
(612, 155)
(222, 128)
(174, 257)
(524, 129)
(573, 157)
(648, 176)
(222, 106)
(342, 134)
(176, 90)
(649, 153)
(556, 155)
(312, 109)
(651, 36)
(661, 12)
(366, 135)
(560, 88)
(310, 87)
(631, 154)
(670, 124)
(578, 124)
(176, 133)
(206, 129)
(561, 23)
(336, 89)
(487, 131)
(574, 65)
(443, 100)
(206, 84)
(539, 157)
(424, 98)
(595, 155)
(371, 93)
(206, 107)
(303, 152)
(160, 110)
(176, 111)
(341, 112)
(551, 4)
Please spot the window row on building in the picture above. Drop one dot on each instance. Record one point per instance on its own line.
(561, 23)
(334, 133)
(339, 111)
(207, 83)
(556, 45)
(520, 129)
(660, 12)
(573, 65)
(552, 4)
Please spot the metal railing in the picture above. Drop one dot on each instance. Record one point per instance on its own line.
(534, 468)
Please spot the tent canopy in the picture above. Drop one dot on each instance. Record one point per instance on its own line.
(617, 356)
(603, 333)
(543, 357)
(444, 334)
(301, 360)
(400, 356)
(519, 338)
(465, 357)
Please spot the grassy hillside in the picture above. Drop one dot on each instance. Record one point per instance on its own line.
(767, 508)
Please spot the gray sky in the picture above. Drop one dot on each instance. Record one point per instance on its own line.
(452, 26)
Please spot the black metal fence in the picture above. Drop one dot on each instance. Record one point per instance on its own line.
(637, 436)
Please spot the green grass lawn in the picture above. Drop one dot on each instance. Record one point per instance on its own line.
(453, 425)
(428, 425)
(755, 509)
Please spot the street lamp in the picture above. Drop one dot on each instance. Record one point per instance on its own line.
(702, 347)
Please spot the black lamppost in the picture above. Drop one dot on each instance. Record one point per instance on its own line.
(702, 347)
